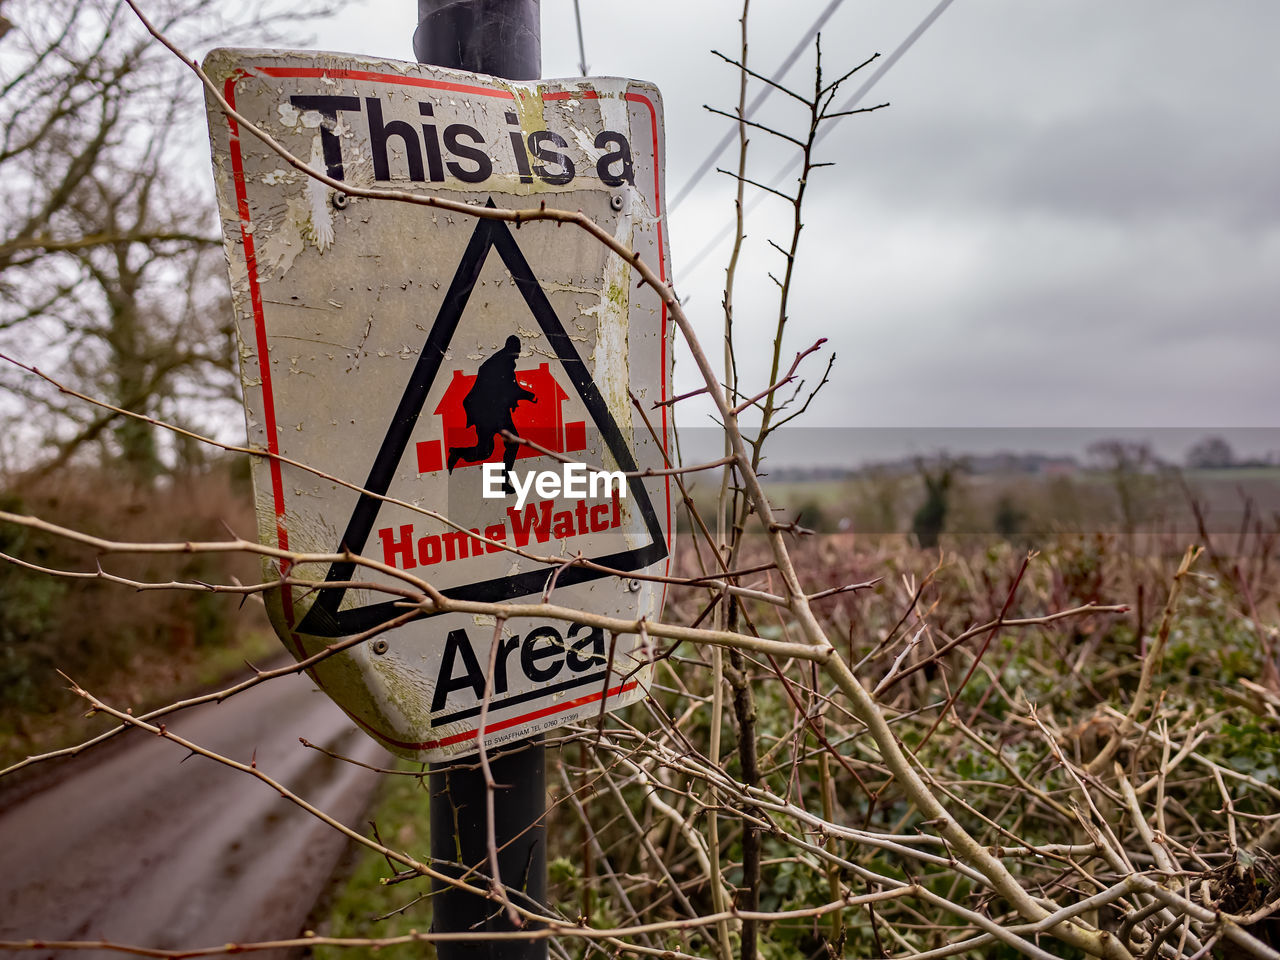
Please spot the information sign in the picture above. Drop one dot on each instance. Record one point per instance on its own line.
(396, 347)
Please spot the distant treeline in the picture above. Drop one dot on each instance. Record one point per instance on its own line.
(1210, 453)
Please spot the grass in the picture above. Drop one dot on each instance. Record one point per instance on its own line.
(361, 904)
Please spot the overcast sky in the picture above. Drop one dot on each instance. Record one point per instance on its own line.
(1069, 216)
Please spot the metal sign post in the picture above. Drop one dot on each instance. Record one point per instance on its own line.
(394, 355)
(502, 38)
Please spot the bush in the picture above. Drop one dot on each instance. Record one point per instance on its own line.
(106, 633)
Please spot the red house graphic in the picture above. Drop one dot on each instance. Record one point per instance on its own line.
(541, 422)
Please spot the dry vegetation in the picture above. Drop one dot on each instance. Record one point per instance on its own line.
(851, 748)
(1088, 750)
(138, 649)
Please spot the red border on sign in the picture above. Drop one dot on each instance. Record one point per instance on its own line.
(264, 365)
(510, 722)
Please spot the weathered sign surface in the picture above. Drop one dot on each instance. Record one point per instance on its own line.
(393, 346)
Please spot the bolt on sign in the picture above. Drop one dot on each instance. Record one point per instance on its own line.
(402, 349)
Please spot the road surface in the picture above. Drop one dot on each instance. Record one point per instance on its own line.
(148, 848)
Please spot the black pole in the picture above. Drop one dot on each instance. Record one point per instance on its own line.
(503, 39)
(460, 835)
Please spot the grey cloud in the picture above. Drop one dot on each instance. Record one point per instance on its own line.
(1121, 162)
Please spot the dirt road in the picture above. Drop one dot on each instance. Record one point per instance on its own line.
(148, 848)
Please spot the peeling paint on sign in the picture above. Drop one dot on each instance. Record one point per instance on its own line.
(376, 339)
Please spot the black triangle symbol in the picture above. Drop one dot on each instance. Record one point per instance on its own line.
(325, 619)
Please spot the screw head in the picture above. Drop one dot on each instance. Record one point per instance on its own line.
(380, 646)
(633, 586)
(616, 201)
(339, 200)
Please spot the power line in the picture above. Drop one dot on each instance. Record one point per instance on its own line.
(760, 98)
(582, 50)
(849, 104)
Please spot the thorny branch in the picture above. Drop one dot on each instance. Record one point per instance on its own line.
(1054, 845)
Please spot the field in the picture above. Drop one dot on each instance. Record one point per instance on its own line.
(1037, 504)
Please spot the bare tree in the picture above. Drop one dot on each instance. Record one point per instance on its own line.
(110, 260)
(1211, 453)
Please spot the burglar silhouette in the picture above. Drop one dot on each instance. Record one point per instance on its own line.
(488, 406)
